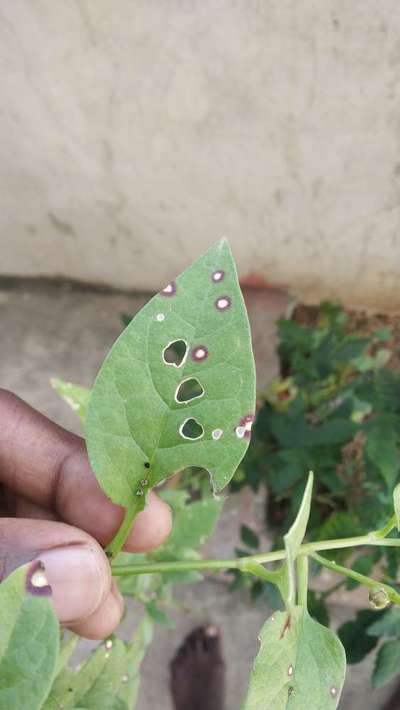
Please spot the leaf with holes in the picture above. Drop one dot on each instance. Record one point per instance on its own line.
(29, 639)
(301, 664)
(178, 387)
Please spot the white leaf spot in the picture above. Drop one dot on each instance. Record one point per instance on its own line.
(223, 303)
(217, 433)
(39, 578)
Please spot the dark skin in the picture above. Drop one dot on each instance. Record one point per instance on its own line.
(54, 512)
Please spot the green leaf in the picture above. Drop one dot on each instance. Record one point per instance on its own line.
(387, 624)
(387, 663)
(353, 635)
(294, 538)
(139, 426)
(108, 680)
(382, 448)
(76, 396)
(351, 349)
(193, 523)
(97, 685)
(158, 615)
(396, 503)
(67, 648)
(300, 665)
(29, 640)
(136, 651)
(249, 537)
(383, 334)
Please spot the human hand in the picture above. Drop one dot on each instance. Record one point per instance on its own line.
(54, 511)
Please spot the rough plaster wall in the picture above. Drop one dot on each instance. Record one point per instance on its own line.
(134, 133)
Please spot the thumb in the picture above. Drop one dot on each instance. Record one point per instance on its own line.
(69, 566)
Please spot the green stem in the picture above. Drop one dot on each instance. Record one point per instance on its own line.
(176, 566)
(261, 558)
(360, 578)
(388, 527)
(117, 543)
(302, 580)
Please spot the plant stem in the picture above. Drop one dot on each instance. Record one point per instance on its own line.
(251, 567)
(388, 527)
(360, 578)
(177, 566)
(262, 558)
(302, 580)
(117, 543)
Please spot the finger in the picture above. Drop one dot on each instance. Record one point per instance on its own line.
(49, 466)
(65, 563)
(105, 619)
(24, 508)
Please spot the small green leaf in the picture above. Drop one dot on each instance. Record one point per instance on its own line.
(75, 395)
(295, 536)
(249, 537)
(139, 428)
(387, 663)
(300, 665)
(29, 640)
(396, 502)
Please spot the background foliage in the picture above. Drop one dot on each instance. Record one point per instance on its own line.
(334, 409)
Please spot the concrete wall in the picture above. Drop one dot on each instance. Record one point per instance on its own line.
(136, 132)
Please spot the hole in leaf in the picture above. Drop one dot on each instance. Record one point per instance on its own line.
(188, 390)
(175, 353)
(191, 429)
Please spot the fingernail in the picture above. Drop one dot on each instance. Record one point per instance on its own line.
(75, 576)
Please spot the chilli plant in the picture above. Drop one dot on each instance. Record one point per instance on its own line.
(176, 390)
